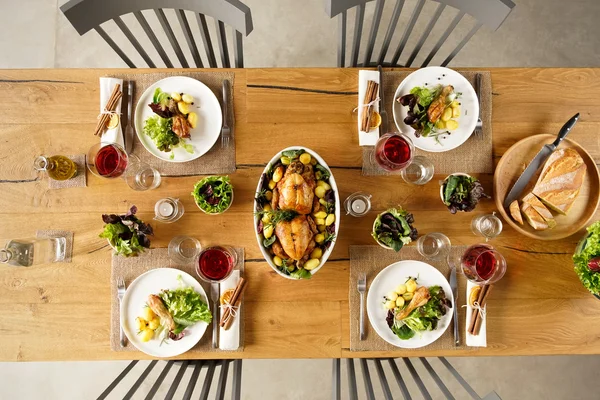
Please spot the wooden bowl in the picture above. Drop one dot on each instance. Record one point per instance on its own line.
(513, 163)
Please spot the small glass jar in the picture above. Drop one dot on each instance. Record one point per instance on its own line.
(358, 204)
(168, 210)
(59, 168)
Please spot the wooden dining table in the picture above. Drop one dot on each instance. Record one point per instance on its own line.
(61, 311)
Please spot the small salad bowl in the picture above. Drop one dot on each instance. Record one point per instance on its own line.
(474, 195)
(221, 190)
(405, 238)
(443, 183)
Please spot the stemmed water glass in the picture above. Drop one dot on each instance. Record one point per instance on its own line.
(112, 161)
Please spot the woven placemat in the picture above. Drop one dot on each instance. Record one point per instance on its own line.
(55, 233)
(473, 156)
(131, 267)
(371, 260)
(79, 180)
(218, 160)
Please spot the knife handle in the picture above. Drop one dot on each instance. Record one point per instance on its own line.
(564, 131)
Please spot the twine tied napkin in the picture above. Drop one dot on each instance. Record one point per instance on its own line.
(473, 156)
(371, 260)
(217, 160)
(131, 267)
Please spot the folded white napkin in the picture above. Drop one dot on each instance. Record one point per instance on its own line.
(107, 85)
(481, 339)
(230, 339)
(366, 138)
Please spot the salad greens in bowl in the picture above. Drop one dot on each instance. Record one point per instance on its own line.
(393, 229)
(461, 192)
(213, 194)
(126, 234)
(587, 259)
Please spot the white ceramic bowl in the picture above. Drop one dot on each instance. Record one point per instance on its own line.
(336, 192)
(446, 179)
(373, 230)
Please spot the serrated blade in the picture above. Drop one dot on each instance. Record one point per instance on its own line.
(529, 173)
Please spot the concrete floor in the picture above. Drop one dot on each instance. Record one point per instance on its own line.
(290, 33)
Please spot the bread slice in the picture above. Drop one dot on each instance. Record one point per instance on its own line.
(533, 218)
(540, 208)
(560, 180)
(515, 212)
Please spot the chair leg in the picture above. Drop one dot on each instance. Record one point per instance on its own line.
(460, 379)
(492, 396)
(222, 384)
(236, 388)
(118, 379)
(192, 382)
(417, 379)
(352, 389)
(176, 381)
(139, 381)
(208, 380)
(335, 384)
(159, 380)
(383, 380)
(364, 366)
(436, 379)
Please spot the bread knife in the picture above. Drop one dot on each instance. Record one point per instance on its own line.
(538, 161)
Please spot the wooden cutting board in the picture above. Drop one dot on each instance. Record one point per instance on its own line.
(514, 162)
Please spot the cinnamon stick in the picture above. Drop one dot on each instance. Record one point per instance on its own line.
(370, 95)
(234, 298)
(236, 303)
(111, 104)
(477, 317)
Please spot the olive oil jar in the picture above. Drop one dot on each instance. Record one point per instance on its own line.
(59, 168)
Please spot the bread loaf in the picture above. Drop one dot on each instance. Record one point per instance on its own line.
(534, 218)
(515, 212)
(540, 208)
(560, 180)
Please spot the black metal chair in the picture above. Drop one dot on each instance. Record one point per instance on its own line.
(86, 15)
(400, 380)
(173, 384)
(491, 13)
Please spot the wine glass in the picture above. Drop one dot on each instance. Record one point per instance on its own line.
(483, 265)
(394, 151)
(216, 263)
(110, 160)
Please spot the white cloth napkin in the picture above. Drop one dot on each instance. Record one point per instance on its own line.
(230, 339)
(481, 339)
(366, 138)
(107, 85)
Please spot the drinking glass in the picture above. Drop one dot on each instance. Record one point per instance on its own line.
(184, 249)
(107, 160)
(140, 175)
(489, 226)
(482, 264)
(216, 263)
(393, 151)
(434, 246)
(31, 251)
(419, 171)
(358, 204)
(168, 210)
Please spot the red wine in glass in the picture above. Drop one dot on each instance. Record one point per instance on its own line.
(215, 264)
(481, 263)
(111, 161)
(393, 152)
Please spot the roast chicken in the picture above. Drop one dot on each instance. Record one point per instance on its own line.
(436, 108)
(420, 298)
(295, 191)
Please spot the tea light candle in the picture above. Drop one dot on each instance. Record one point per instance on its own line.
(358, 204)
(165, 209)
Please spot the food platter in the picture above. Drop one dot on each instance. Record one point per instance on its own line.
(469, 106)
(385, 281)
(134, 302)
(513, 163)
(206, 105)
(333, 234)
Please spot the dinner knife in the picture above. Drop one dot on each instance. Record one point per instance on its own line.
(538, 161)
(454, 287)
(129, 127)
(214, 296)
(382, 112)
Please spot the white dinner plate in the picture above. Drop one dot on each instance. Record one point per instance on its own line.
(386, 281)
(469, 107)
(134, 301)
(206, 105)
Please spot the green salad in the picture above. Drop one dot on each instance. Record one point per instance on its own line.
(587, 260)
(126, 233)
(213, 194)
(393, 228)
(186, 307)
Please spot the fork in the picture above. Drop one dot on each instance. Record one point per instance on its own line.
(225, 130)
(362, 288)
(479, 127)
(120, 294)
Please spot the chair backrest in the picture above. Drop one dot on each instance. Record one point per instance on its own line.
(86, 15)
(491, 13)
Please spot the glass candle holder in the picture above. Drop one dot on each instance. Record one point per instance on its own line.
(168, 210)
(358, 204)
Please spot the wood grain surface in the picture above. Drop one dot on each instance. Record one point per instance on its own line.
(62, 311)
